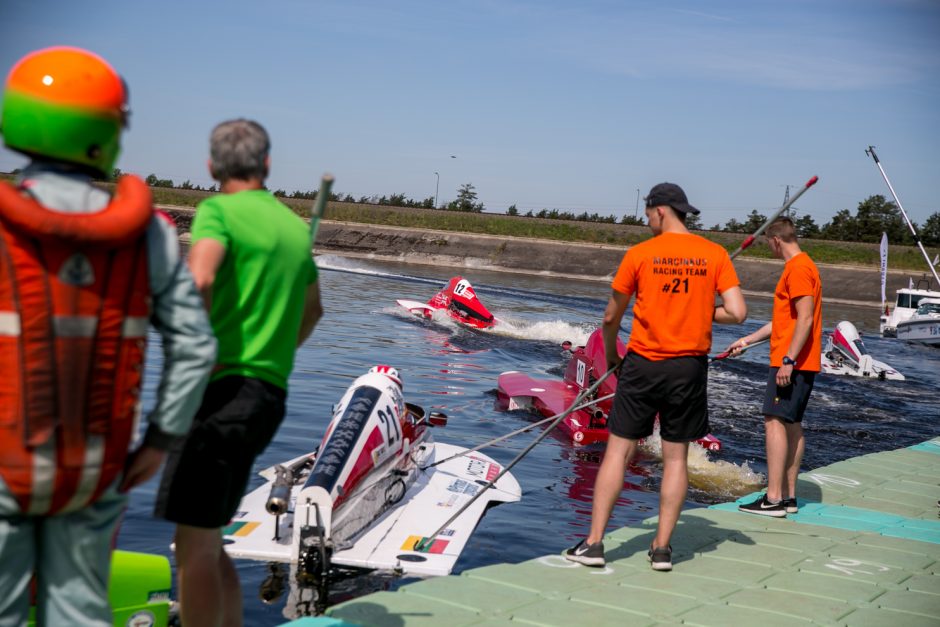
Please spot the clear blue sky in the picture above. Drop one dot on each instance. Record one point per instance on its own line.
(545, 104)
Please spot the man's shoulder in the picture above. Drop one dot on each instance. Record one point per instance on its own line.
(673, 243)
(802, 261)
(260, 203)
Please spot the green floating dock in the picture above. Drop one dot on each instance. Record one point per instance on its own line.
(864, 550)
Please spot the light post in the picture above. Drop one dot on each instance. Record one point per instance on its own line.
(636, 211)
(437, 188)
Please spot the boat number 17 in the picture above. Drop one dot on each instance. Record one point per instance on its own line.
(388, 420)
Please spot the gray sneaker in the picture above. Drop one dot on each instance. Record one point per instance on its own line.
(661, 558)
(587, 554)
(791, 505)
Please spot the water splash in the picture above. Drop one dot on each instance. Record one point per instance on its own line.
(556, 331)
(716, 478)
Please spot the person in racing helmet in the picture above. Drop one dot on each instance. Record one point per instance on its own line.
(83, 273)
(388, 371)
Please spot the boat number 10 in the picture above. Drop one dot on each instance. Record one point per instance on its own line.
(388, 420)
(582, 370)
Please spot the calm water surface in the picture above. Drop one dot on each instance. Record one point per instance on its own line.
(454, 370)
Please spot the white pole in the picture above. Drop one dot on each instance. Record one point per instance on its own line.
(871, 152)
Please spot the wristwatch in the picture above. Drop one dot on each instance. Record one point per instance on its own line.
(787, 361)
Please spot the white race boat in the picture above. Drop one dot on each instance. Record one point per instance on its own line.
(924, 325)
(369, 497)
(845, 354)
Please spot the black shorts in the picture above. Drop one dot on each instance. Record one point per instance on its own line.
(790, 402)
(207, 472)
(676, 389)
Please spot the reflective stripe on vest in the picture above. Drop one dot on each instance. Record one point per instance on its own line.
(75, 326)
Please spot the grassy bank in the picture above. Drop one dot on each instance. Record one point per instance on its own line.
(823, 251)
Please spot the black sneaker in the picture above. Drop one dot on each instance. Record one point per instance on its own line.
(661, 558)
(791, 505)
(587, 554)
(764, 507)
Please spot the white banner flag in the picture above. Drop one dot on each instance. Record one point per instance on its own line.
(884, 266)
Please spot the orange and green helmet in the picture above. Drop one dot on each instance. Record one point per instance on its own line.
(65, 104)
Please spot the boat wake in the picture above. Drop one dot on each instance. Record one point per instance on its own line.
(556, 331)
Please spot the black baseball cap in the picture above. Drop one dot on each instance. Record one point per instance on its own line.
(672, 195)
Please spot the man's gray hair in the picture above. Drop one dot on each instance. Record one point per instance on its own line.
(239, 150)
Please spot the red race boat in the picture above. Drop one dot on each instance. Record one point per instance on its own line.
(459, 300)
(588, 424)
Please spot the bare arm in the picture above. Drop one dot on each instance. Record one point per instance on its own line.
(313, 311)
(141, 465)
(205, 257)
(613, 314)
(733, 309)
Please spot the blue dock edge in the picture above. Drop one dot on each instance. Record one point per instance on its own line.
(863, 551)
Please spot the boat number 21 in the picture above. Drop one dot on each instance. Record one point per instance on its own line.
(388, 420)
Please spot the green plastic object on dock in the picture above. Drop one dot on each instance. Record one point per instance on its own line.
(139, 590)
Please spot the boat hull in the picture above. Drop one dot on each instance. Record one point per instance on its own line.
(389, 541)
(920, 331)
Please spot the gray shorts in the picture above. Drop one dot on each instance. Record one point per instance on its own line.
(788, 402)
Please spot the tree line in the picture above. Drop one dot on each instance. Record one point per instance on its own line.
(873, 216)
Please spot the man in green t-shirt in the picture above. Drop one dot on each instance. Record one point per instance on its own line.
(251, 261)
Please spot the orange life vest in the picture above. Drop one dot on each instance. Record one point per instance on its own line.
(74, 310)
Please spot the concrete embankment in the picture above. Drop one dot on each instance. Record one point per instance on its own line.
(467, 251)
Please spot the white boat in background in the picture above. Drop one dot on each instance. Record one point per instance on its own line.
(845, 354)
(924, 325)
(908, 300)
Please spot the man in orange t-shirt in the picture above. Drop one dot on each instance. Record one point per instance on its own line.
(675, 276)
(795, 333)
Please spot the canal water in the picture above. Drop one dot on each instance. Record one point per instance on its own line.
(454, 370)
